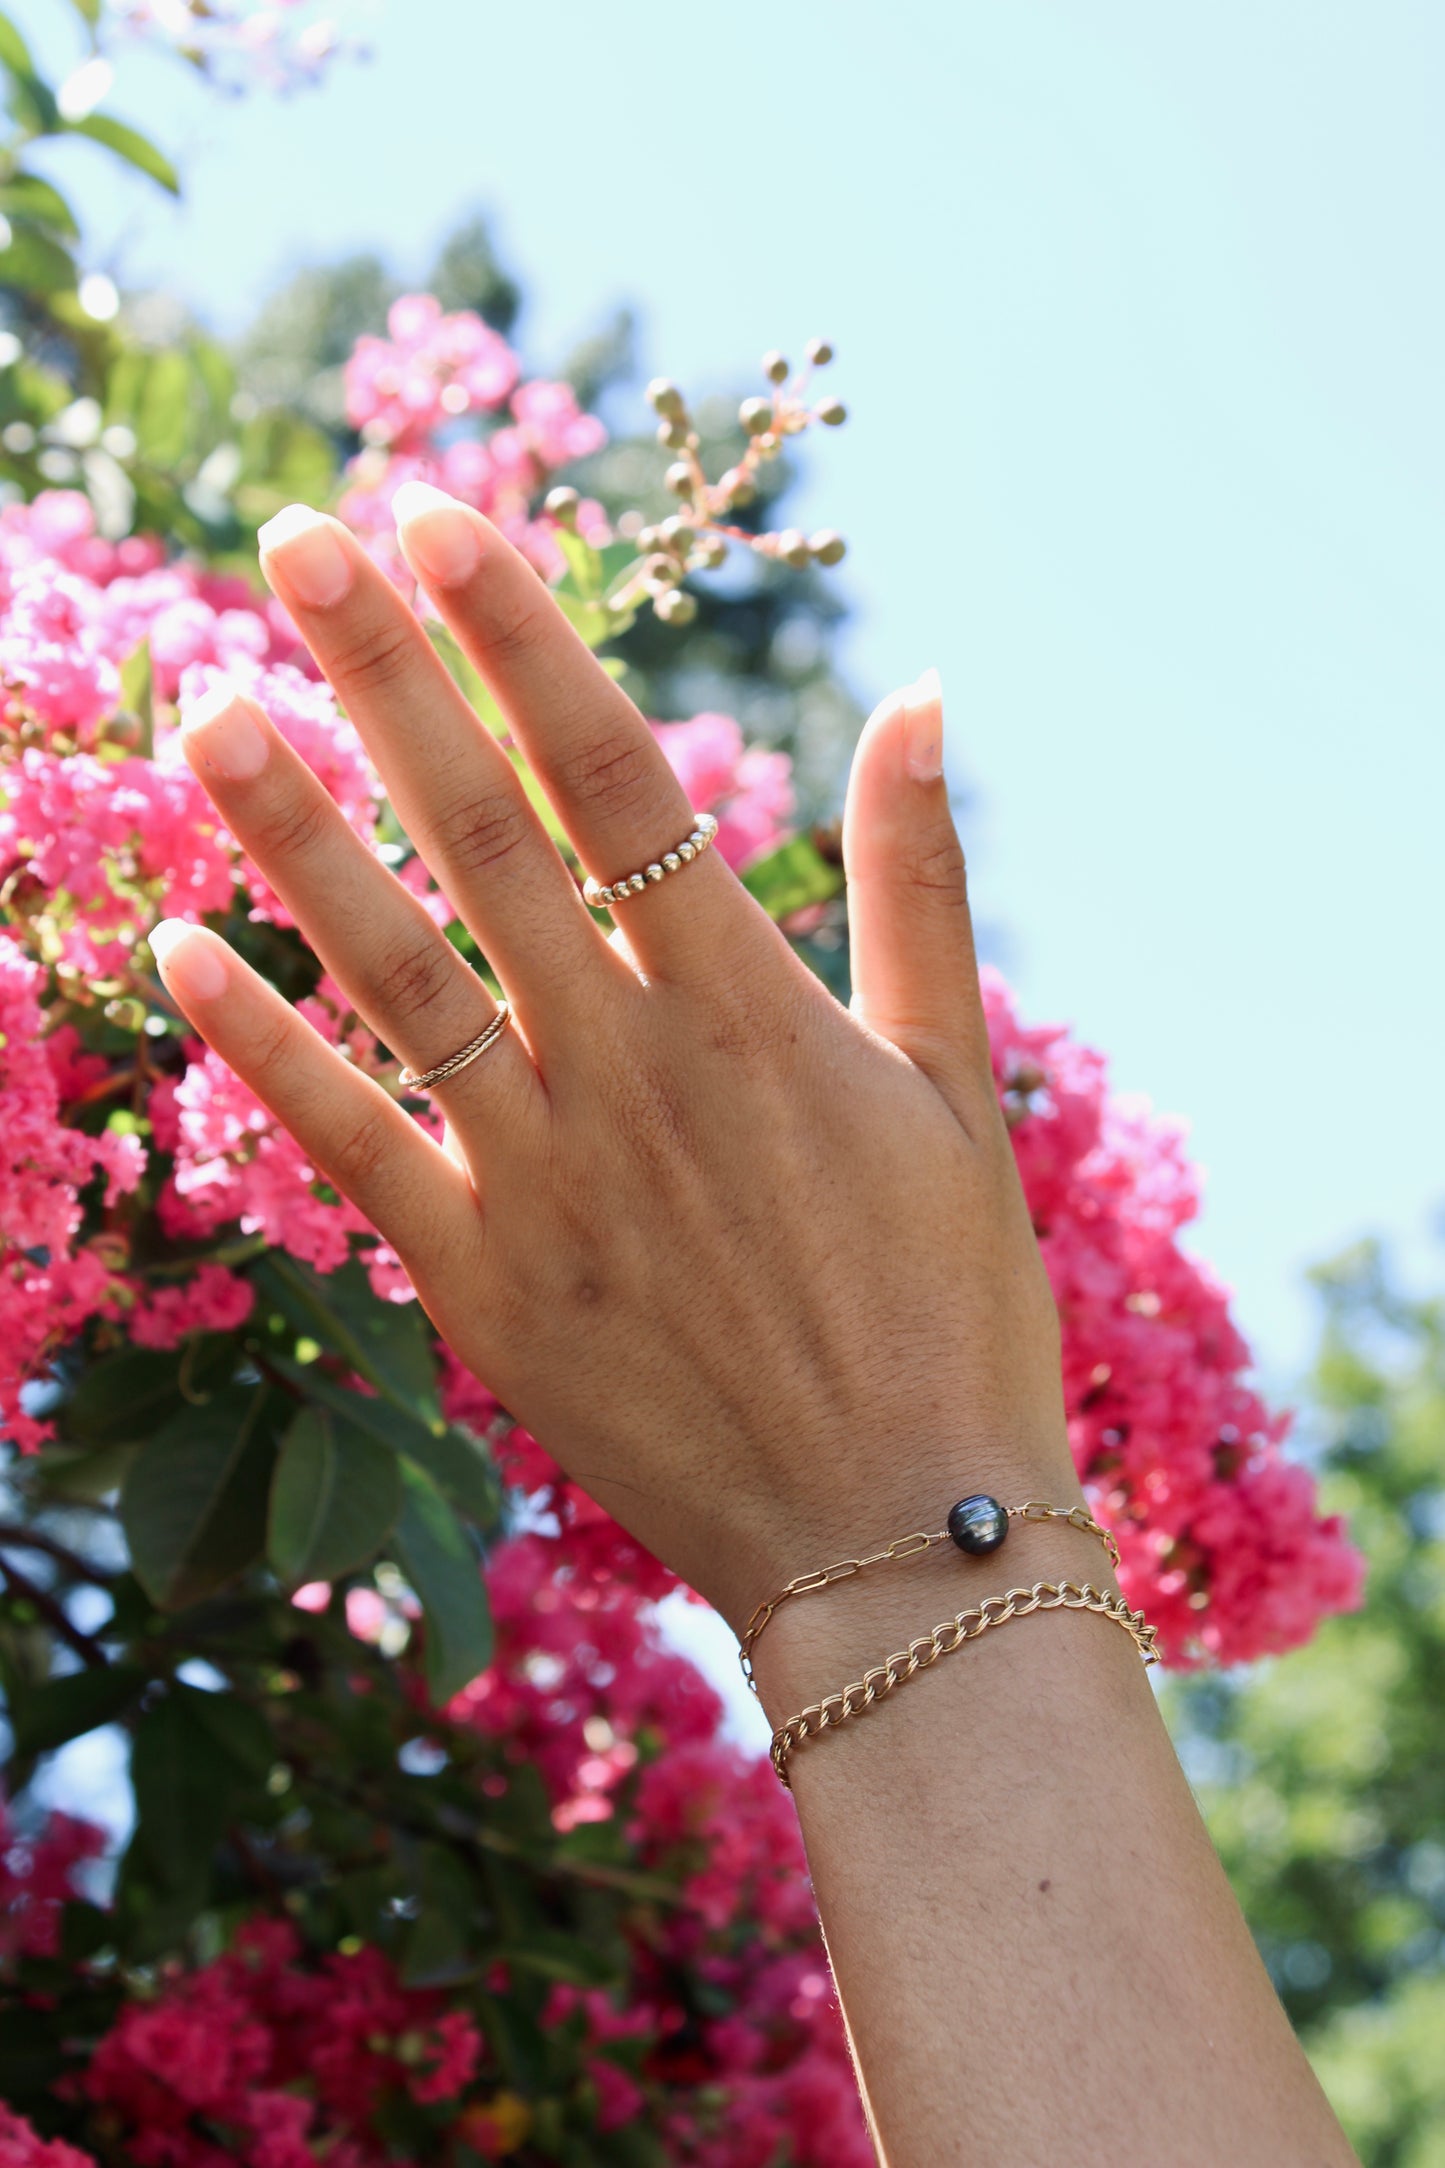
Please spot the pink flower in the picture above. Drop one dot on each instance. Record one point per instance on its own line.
(748, 788)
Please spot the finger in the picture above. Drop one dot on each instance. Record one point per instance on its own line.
(586, 743)
(418, 1198)
(915, 974)
(394, 964)
(457, 794)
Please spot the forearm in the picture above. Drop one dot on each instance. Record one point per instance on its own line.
(1036, 1947)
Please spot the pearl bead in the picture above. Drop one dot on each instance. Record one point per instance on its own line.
(685, 851)
(978, 1524)
(654, 871)
(670, 861)
(637, 882)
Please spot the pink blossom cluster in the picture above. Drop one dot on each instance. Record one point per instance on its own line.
(1220, 1539)
(38, 1877)
(280, 2062)
(412, 395)
(279, 45)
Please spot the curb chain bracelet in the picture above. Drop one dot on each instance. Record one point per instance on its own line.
(835, 1709)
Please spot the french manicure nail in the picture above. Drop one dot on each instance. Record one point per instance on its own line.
(438, 534)
(224, 731)
(189, 964)
(309, 553)
(923, 728)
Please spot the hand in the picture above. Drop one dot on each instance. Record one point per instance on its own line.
(756, 1270)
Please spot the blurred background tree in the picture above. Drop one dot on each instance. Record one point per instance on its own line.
(1322, 1776)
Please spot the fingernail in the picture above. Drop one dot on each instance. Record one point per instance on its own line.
(190, 966)
(439, 535)
(923, 728)
(224, 731)
(310, 554)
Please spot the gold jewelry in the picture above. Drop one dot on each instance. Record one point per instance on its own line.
(632, 884)
(835, 1709)
(977, 1525)
(422, 1080)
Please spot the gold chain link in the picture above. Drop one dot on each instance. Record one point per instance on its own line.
(905, 1547)
(835, 1709)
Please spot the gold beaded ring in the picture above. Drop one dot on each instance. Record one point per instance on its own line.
(836, 1709)
(977, 1524)
(682, 854)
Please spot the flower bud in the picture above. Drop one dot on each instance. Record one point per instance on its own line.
(767, 445)
(756, 415)
(775, 367)
(833, 412)
(647, 538)
(677, 534)
(738, 486)
(710, 553)
(672, 435)
(820, 352)
(828, 546)
(679, 478)
(793, 547)
(123, 729)
(664, 397)
(663, 570)
(562, 505)
(676, 607)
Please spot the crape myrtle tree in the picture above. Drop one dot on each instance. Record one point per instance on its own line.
(1323, 1778)
(437, 1849)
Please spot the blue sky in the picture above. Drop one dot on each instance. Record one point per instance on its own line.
(1140, 322)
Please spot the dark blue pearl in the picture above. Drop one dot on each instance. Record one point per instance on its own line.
(978, 1524)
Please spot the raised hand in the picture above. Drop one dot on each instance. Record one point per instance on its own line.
(757, 1271)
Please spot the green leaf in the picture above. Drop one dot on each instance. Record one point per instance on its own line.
(194, 1503)
(128, 143)
(592, 621)
(335, 1498)
(387, 1343)
(792, 876)
(183, 1789)
(47, 1716)
(440, 1946)
(436, 1554)
(137, 692)
(14, 52)
(559, 1956)
(127, 1397)
(34, 263)
(88, 10)
(584, 563)
(25, 195)
(460, 1463)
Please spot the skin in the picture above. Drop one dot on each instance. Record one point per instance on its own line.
(759, 1272)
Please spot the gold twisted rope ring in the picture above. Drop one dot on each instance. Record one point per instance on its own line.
(835, 1709)
(422, 1080)
(599, 893)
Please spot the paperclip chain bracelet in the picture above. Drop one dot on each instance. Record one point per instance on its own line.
(977, 1525)
(835, 1709)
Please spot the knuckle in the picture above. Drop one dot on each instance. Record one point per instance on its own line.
(482, 829)
(408, 978)
(357, 1157)
(615, 772)
(377, 658)
(271, 1054)
(934, 867)
(293, 826)
(505, 641)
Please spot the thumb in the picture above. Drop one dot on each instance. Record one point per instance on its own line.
(915, 974)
